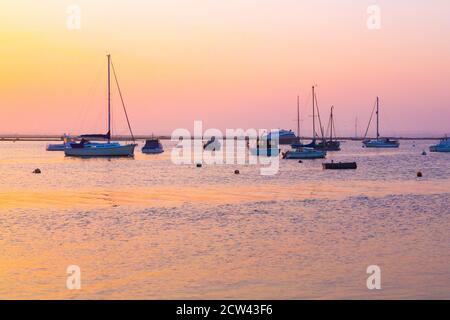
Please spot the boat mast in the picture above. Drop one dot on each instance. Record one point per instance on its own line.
(109, 99)
(314, 114)
(331, 124)
(378, 118)
(298, 117)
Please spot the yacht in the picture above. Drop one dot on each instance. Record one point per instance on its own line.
(442, 146)
(379, 142)
(152, 146)
(86, 148)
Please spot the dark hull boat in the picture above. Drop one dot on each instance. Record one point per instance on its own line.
(324, 145)
(330, 145)
(152, 146)
(339, 165)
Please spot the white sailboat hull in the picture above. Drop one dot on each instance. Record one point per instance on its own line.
(381, 144)
(102, 151)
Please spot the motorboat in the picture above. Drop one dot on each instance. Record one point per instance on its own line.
(442, 146)
(304, 153)
(152, 146)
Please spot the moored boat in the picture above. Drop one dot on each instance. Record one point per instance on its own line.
(60, 146)
(304, 153)
(339, 165)
(381, 143)
(152, 146)
(285, 137)
(86, 148)
(332, 144)
(442, 146)
(111, 149)
(378, 142)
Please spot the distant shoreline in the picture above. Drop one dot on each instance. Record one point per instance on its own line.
(24, 137)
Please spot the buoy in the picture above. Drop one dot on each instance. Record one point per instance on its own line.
(419, 174)
(424, 153)
(236, 171)
(199, 165)
(37, 171)
(300, 161)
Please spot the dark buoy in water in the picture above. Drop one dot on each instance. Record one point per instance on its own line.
(37, 171)
(424, 153)
(419, 174)
(300, 161)
(236, 171)
(199, 165)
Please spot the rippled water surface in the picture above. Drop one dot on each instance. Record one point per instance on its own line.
(146, 228)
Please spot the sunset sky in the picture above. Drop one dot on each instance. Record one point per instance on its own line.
(229, 63)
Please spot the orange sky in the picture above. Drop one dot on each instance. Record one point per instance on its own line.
(229, 63)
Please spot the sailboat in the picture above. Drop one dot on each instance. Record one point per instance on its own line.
(378, 142)
(86, 148)
(313, 143)
(332, 144)
(307, 151)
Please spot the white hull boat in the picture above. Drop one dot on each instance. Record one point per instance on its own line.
(379, 142)
(85, 148)
(101, 150)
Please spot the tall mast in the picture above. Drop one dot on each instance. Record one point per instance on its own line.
(378, 118)
(298, 117)
(356, 127)
(314, 114)
(109, 98)
(331, 124)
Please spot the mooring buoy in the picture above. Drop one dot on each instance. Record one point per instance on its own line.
(199, 165)
(419, 174)
(236, 171)
(37, 171)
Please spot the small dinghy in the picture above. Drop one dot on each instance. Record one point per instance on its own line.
(339, 165)
(60, 146)
(304, 153)
(152, 146)
(56, 147)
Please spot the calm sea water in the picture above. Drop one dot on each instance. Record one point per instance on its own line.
(145, 228)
